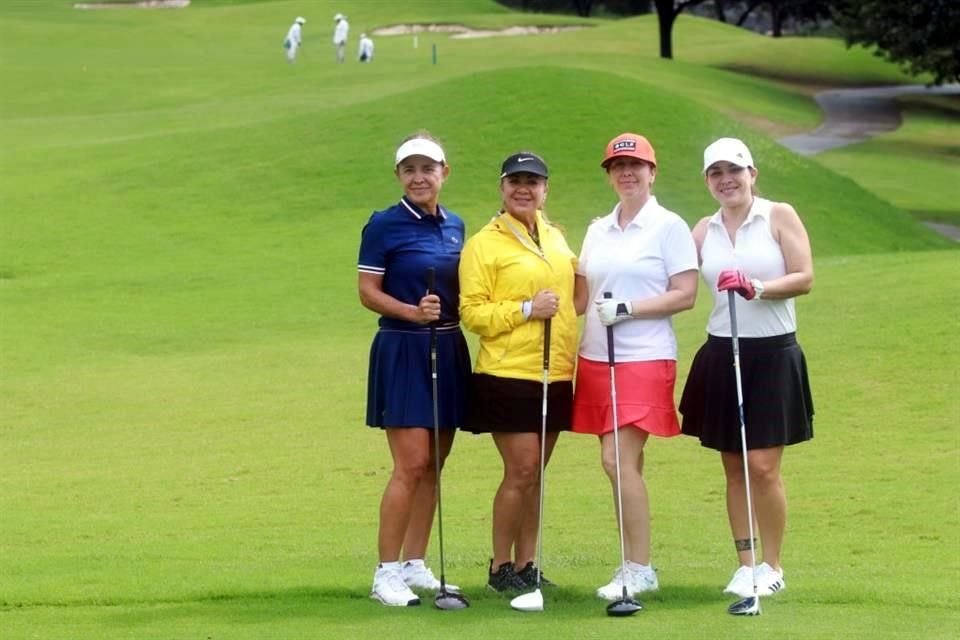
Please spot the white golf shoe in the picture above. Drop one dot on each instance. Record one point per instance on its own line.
(418, 576)
(769, 581)
(390, 589)
(638, 578)
(741, 584)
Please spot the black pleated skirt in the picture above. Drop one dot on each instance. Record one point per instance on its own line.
(777, 403)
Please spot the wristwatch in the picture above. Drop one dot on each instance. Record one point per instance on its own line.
(757, 287)
(526, 307)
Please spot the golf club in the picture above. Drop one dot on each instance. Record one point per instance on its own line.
(625, 606)
(746, 606)
(446, 600)
(533, 601)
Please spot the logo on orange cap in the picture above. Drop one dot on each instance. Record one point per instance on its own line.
(629, 145)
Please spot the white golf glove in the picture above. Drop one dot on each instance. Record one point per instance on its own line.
(614, 311)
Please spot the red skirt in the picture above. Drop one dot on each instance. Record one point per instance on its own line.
(644, 397)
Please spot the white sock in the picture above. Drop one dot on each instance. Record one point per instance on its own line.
(414, 562)
(636, 566)
(390, 566)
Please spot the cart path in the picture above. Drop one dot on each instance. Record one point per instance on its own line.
(854, 115)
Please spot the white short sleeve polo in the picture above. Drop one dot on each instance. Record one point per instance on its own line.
(635, 263)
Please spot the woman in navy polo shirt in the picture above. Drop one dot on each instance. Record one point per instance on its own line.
(397, 247)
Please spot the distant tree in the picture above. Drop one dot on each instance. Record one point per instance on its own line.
(583, 7)
(720, 10)
(667, 12)
(628, 7)
(923, 37)
(782, 10)
(799, 11)
(753, 4)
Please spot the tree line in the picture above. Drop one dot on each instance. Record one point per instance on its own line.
(921, 36)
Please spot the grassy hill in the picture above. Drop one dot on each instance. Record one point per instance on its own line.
(183, 357)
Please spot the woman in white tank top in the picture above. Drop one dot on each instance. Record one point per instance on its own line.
(760, 250)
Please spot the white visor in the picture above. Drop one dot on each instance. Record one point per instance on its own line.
(420, 147)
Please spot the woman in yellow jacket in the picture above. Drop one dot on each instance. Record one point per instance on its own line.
(515, 273)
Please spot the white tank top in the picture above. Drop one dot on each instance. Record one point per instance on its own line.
(757, 254)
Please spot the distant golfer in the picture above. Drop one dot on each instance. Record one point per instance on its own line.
(365, 51)
(515, 273)
(397, 247)
(644, 254)
(760, 250)
(340, 30)
(293, 40)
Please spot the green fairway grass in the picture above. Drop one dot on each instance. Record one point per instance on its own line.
(183, 355)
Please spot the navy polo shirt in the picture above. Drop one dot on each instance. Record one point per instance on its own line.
(399, 244)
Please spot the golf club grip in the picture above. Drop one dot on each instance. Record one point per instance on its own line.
(546, 344)
(607, 295)
(731, 302)
(431, 282)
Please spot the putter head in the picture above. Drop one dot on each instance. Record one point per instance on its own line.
(450, 600)
(532, 601)
(745, 607)
(623, 608)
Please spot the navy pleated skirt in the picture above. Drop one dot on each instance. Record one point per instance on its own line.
(777, 403)
(399, 387)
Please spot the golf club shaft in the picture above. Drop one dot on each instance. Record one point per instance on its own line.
(616, 440)
(436, 427)
(543, 441)
(743, 432)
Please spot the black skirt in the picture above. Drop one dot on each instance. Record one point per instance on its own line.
(777, 403)
(509, 405)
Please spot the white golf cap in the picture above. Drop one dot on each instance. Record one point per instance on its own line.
(420, 147)
(729, 150)
(338, 17)
(301, 20)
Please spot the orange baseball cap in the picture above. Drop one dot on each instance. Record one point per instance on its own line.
(629, 145)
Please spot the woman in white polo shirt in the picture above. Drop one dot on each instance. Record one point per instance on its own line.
(761, 250)
(645, 256)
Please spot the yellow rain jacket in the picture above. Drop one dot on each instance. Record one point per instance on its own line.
(500, 267)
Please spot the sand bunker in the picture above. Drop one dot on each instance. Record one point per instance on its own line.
(460, 31)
